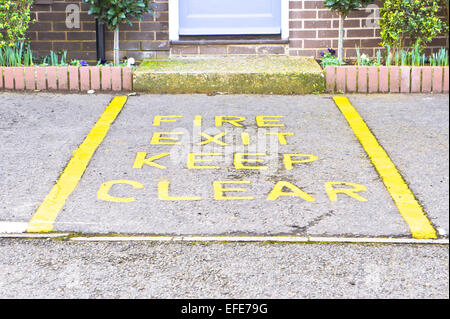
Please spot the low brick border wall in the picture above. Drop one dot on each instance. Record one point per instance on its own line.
(383, 79)
(66, 78)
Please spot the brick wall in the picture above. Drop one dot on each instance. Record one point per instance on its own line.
(144, 39)
(314, 28)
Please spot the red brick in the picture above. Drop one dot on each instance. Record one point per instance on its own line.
(351, 78)
(317, 44)
(295, 4)
(51, 35)
(310, 34)
(302, 15)
(106, 78)
(313, 5)
(127, 79)
(426, 79)
(415, 79)
(154, 26)
(446, 79)
(405, 79)
(30, 81)
(19, 78)
(161, 35)
(362, 79)
(330, 77)
(116, 78)
(340, 79)
(328, 34)
(62, 78)
(327, 14)
(51, 78)
(360, 33)
(437, 79)
(293, 24)
(84, 78)
(373, 79)
(40, 79)
(355, 23)
(384, 79)
(140, 35)
(73, 78)
(317, 24)
(9, 78)
(95, 77)
(80, 35)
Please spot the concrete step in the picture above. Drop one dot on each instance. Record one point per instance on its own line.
(238, 75)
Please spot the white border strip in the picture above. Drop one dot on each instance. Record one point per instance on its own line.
(13, 227)
(34, 235)
(174, 22)
(280, 239)
(285, 19)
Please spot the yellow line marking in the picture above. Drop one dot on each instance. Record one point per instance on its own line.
(42, 221)
(403, 197)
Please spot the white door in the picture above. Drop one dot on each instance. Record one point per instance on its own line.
(229, 17)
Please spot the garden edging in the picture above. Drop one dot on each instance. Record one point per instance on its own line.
(66, 78)
(387, 79)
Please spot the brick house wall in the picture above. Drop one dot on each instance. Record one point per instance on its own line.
(312, 29)
(144, 39)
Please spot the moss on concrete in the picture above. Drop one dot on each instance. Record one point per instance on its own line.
(268, 75)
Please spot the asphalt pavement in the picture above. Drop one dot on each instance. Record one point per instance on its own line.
(222, 166)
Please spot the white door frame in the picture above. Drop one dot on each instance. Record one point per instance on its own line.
(174, 23)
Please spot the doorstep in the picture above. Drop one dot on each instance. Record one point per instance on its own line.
(238, 75)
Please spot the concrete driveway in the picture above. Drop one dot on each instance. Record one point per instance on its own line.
(230, 168)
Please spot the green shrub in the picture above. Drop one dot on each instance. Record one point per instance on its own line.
(14, 20)
(343, 8)
(416, 20)
(112, 13)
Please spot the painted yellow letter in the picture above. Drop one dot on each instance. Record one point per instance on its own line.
(219, 190)
(141, 160)
(277, 191)
(239, 160)
(220, 120)
(281, 136)
(261, 121)
(156, 138)
(162, 118)
(288, 161)
(332, 192)
(105, 187)
(163, 193)
(214, 139)
(191, 160)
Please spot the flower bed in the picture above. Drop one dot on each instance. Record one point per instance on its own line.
(384, 79)
(67, 78)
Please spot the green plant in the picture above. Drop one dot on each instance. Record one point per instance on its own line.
(416, 20)
(329, 58)
(114, 12)
(439, 58)
(16, 55)
(388, 55)
(14, 20)
(378, 59)
(343, 8)
(362, 59)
